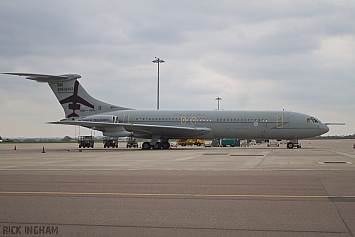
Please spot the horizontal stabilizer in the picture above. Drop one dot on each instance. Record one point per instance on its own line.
(46, 78)
(334, 123)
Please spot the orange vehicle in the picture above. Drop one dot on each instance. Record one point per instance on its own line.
(190, 142)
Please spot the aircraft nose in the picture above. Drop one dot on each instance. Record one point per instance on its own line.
(325, 128)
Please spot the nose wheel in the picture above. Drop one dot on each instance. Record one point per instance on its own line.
(293, 143)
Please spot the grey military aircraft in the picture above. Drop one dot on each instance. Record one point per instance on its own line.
(161, 125)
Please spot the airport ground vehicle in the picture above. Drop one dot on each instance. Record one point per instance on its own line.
(132, 143)
(190, 142)
(273, 143)
(228, 142)
(86, 141)
(110, 142)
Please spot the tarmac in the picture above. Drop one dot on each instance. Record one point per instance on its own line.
(58, 189)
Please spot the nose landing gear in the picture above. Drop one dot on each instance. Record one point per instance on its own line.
(293, 143)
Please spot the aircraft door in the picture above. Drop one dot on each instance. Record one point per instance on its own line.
(279, 120)
(193, 120)
(126, 117)
(184, 120)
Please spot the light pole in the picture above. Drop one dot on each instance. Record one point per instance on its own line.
(158, 61)
(218, 99)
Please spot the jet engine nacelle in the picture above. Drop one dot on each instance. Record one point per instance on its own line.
(101, 118)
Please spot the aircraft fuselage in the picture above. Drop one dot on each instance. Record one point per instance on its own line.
(228, 124)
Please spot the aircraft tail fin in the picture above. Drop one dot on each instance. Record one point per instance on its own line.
(76, 102)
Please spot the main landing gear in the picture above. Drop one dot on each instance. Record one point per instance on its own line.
(293, 143)
(156, 146)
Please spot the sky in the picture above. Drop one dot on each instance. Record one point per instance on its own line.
(255, 55)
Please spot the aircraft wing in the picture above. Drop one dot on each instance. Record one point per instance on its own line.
(164, 131)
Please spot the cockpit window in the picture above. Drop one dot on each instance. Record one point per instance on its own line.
(312, 120)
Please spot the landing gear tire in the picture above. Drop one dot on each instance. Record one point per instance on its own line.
(157, 146)
(146, 146)
(165, 145)
(289, 145)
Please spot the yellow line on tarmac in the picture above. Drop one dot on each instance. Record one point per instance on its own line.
(174, 195)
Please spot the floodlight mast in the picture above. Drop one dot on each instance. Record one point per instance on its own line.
(218, 99)
(158, 61)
